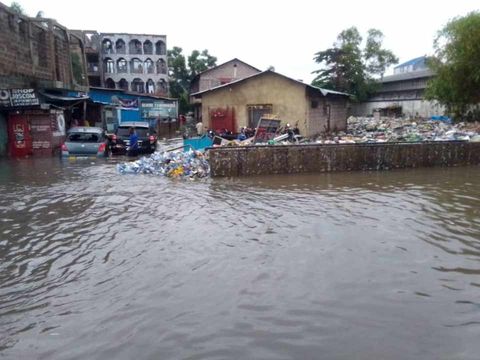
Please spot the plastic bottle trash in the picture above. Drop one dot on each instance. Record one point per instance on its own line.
(190, 164)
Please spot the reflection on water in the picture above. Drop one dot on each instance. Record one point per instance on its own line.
(94, 265)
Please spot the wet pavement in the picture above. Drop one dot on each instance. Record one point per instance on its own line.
(97, 265)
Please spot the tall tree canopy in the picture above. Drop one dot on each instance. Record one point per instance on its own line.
(457, 66)
(348, 68)
(17, 8)
(181, 76)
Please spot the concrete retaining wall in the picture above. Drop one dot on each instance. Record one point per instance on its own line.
(264, 160)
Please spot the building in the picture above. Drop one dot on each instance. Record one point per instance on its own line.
(225, 73)
(109, 107)
(130, 62)
(243, 102)
(43, 83)
(403, 93)
(413, 65)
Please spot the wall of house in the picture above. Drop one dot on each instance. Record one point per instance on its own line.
(225, 73)
(288, 100)
(321, 109)
(411, 108)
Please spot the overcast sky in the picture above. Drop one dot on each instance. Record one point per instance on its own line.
(262, 33)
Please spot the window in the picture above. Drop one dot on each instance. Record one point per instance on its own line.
(120, 47)
(109, 84)
(122, 66)
(136, 66)
(109, 66)
(161, 67)
(160, 48)
(150, 86)
(138, 85)
(85, 137)
(255, 112)
(135, 47)
(149, 66)
(148, 47)
(123, 84)
(107, 47)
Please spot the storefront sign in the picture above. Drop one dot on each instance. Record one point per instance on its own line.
(155, 109)
(125, 103)
(18, 97)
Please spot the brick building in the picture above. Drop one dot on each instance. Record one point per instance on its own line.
(42, 69)
(225, 73)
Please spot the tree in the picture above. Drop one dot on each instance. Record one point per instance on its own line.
(198, 62)
(348, 68)
(17, 8)
(181, 76)
(456, 65)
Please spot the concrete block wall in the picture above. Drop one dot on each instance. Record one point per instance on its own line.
(268, 160)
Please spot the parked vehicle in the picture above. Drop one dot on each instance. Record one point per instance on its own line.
(120, 141)
(85, 142)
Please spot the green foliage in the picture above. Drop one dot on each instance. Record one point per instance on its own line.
(17, 8)
(198, 62)
(181, 76)
(348, 68)
(457, 66)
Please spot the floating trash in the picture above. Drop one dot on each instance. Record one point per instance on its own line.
(188, 164)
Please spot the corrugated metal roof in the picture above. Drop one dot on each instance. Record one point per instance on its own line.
(225, 63)
(324, 92)
(408, 76)
(417, 60)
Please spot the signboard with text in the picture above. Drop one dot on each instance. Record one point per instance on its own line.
(155, 109)
(18, 98)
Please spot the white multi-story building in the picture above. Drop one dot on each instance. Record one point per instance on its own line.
(134, 62)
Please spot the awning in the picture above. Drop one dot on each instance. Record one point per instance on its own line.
(63, 98)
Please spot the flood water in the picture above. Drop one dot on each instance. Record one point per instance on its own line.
(96, 265)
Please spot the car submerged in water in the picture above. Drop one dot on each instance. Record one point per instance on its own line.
(84, 141)
(120, 141)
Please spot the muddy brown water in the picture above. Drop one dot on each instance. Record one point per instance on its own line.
(378, 265)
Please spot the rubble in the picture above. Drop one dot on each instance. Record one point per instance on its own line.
(384, 129)
(179, 164)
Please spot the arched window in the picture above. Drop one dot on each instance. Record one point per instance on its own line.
(109, 65)
(107, 47)
(120, 47)
(161, 67)
(123, 84)
(148, 47)
(150, 86)
(109, 84)
(149, 66)
(135, 47)
(160, 48)
(162, 87)
(138, 85)
(122, 65)
(136, 66)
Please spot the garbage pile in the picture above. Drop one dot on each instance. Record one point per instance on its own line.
(385, 129)
(189, 164)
